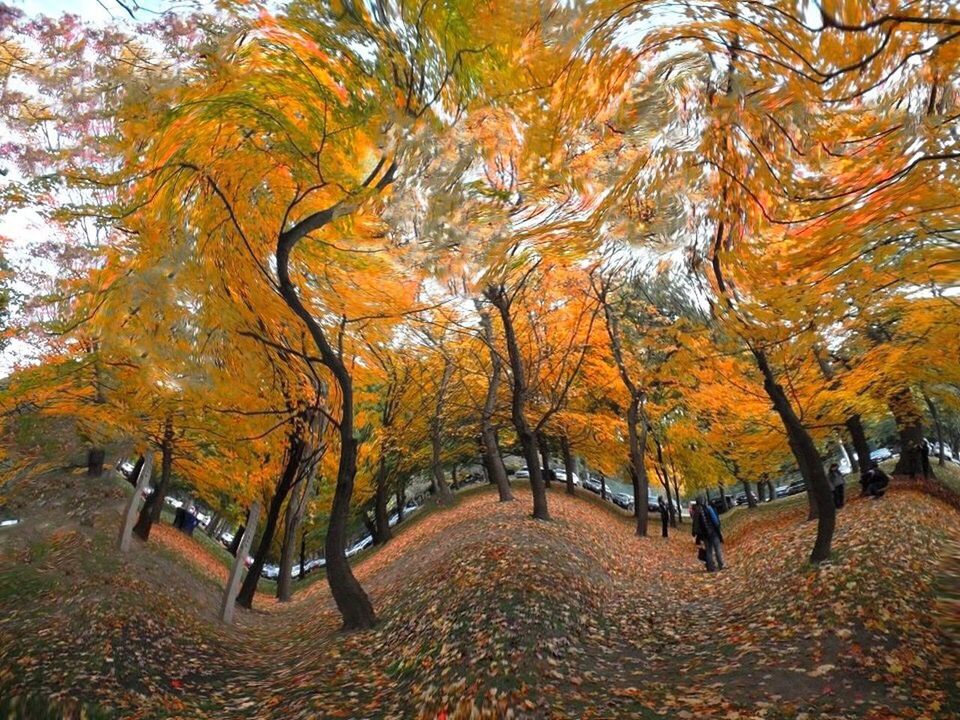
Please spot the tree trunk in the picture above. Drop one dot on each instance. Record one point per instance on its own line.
(544, 457)
(494, 463)
(528, 442)
(444, 495)
(303, 555)
(352, 602)
(518, 405)
(603, 487)
(401, 497)
(751, 501)
(851, 457)
(665, 480)
(296, 509)
(567, 463)
(150, 512)
(488, 433)
(380, 516)
(805, 453)
(910, 428)
(941, 456)
(211, 528)
(676, 493)
(291, 472)
(95, 458)
(285, 578)
(135, 473)
(859, 438)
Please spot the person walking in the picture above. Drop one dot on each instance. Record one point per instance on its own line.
(837, 483)
(706, 528)
(664, 515)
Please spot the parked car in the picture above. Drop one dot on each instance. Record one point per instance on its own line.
(522, 474)
(881, 454)
(361, 545)
(622, 499)
(562, 477)
(794, 488)
(592, 483)
(741, 498)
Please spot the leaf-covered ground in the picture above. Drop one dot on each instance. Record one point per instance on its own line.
(487, 613)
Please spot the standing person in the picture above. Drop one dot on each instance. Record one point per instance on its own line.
(837, 482)
(664, 514)
(706, 528)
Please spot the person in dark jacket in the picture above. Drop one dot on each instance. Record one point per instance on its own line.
(664, 515)
(706, 529)
(875, 481)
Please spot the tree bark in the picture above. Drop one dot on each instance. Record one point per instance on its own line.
(296, 509)
(525, 433)
(352, 602)
(380, 517)
(544, 457)
(95, 458)
(859, 438)
(910, 428)
(303, 555)
(291, 472)
(567, 463)
(603, 487)
(444, 495)
(488, 432)
(665, 480)
(805, 453)
(751, 501)
(401, 497)
(150, 512)
(636, 440)
(941, 456)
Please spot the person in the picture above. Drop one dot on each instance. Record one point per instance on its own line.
(706, 528)
(664, 514)
(874, 481)
(836, 484)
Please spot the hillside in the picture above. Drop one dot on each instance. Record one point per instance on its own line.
(481, 606)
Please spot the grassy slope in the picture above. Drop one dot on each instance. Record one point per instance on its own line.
(479, 603)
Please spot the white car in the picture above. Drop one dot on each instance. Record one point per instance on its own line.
(362, 545)
(562, 477)
(881, 454)
(522, 474)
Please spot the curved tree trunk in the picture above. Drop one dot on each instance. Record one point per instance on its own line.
(805, 453)
(859, 438)
(291, 472)
(150, 512)
(352, 602)
(525, 433)
(488, 433)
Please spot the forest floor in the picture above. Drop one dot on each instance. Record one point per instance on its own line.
(484, 612)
